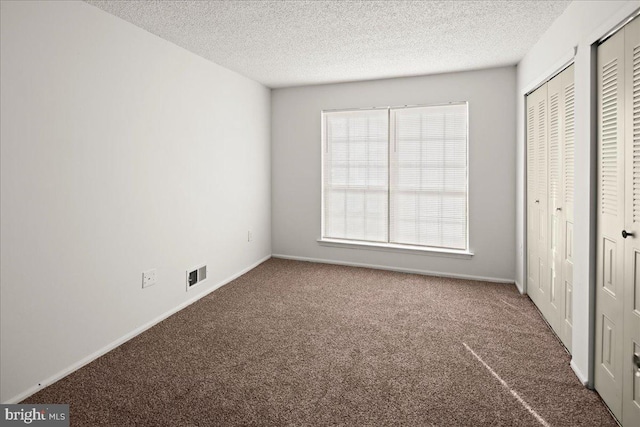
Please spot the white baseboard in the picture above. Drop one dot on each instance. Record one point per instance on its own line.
(398, 269)
(583, 378)
(520, 288)
(47, 382)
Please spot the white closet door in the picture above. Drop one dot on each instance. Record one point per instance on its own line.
(631, 244)
(532, 196)
(555, 296)
(609, 266)
(568, 150)
(560, 174)
(550, 145)
(537, 199)
(542, 139)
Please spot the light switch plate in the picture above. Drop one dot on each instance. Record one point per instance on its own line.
(148, 278)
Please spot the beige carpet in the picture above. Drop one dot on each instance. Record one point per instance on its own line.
(301, 344)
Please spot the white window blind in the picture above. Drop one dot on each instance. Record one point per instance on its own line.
(356, 181)
(397, 176)
(428, 188)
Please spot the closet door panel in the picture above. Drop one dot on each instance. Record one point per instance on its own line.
(536, 195)
(555, 296)
(531, 192)
(549, 110)
(531, 195)
(566, 229)
(610, 216)
(541, 199)
(631, 244)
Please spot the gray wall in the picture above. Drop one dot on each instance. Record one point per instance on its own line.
(120, 152)
(296, 168)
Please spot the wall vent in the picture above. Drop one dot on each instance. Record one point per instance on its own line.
(196, 275)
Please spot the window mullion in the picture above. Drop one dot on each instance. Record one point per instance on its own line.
(389, 160)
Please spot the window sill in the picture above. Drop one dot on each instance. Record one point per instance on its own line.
(391, 247)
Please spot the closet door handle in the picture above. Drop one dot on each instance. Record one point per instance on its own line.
(626, 234)
(559, 209)
(537, 201)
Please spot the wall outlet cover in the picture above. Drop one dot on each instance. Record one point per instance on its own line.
(149, 278)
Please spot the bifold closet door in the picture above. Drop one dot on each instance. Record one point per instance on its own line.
(631, 243)
(537, 265)
(560, 203)
(550, 154)
(617, 357)
(532, 253)
(568, 182)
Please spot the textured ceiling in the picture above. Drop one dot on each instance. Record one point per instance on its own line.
(291, 43)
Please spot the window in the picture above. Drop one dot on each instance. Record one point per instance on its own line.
(396, 176)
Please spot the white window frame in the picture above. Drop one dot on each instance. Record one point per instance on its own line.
(391, 247)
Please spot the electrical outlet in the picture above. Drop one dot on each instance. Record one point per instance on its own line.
(148, 278)
(249, 236)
